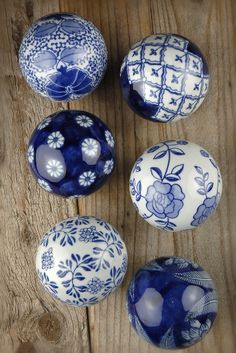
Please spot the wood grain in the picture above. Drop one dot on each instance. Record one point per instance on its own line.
(30, 320)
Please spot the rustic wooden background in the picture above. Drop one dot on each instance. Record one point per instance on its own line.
(30, 320)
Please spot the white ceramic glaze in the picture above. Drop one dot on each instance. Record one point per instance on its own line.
(175, 185)
(81, 260)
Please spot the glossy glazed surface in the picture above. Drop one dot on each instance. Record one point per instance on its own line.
(81, 260)
(63, 56)
(172, 302)
(164, 77)
(71, 153)
(175, 185)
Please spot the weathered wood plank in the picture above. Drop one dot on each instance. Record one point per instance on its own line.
(30, 320)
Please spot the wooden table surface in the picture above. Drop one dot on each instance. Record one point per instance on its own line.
(30, 320)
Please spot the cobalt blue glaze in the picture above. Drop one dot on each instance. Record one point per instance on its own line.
(164, 77)
(71, 153)
(63, 56)
(172, 302)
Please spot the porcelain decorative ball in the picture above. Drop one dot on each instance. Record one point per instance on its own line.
(175, 185)
(81, 260)
(172, 302)
(71, 153)
(164, 77)
(63, 56)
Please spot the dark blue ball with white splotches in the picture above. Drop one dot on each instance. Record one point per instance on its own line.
(172, 302)
(71, 153)
(63, 56)
(164, 77)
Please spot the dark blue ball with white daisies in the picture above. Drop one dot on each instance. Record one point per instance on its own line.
(63, 56)
(71, 153)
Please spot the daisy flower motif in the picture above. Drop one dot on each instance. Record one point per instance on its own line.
(108, 167)
(44, 123)
(109, 138)
(30, 154)
(87, 178)
(44, 185)
(90, 147)
(84, 121)
(54, 168)
(55, 140)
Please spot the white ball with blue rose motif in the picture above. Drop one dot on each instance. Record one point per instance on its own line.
(81, 260)
(175, 185)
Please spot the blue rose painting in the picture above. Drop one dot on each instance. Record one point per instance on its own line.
(175, 185)
(164, 200)
(205, 210)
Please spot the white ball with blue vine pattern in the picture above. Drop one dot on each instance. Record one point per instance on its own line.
(175, 185)
(63, 56)
(81, 260)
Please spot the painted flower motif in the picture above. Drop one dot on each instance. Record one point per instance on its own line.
(30, 154)
(87, 178)
(108, 167)
(51, 286)
(55, 140)
(47, 259)
(205, 210)
(87, 234)
(44, 123)
(164, 200)
(90, 147)
(109, 138)
(44, 185)
(54, 168)
(66, 83)
(70, 26)
(95, 285)
(84, 121)
(196, 331)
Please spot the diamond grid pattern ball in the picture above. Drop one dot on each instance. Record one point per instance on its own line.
(164, 78)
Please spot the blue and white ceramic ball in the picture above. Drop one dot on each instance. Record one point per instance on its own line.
(175, 185)
(71, 153)
(172, 302)
(63, 56)
(81, 260)
(164, 77)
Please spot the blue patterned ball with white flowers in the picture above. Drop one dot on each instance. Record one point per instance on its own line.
(172, 302)
(63, 56)
(71, 153)
(175, 185)
(164, 77)
(81, 260)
